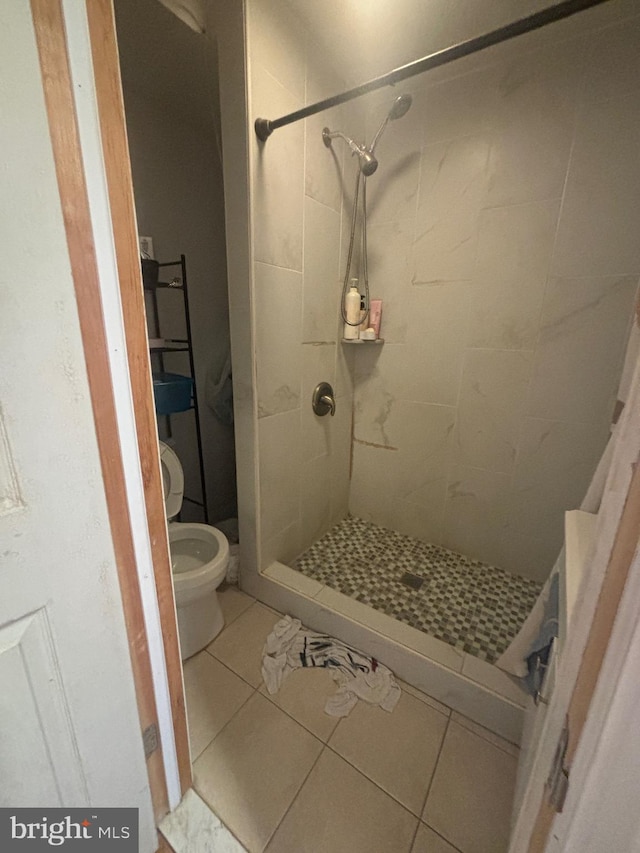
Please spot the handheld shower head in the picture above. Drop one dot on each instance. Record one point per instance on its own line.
(399, 107)
(368, 163)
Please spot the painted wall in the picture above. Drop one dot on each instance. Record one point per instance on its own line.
(503, 223)
(297, 195)
(177, 176)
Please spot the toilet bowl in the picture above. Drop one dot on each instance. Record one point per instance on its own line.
(199, 560)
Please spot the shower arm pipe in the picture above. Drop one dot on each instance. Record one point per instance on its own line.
(338, 134)
(264, 127)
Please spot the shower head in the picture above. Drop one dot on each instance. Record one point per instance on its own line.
(368, 163)
(399, 107)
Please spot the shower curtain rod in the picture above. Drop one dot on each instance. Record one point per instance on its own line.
(264, 127)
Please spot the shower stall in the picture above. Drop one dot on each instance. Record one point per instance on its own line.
(502, 223)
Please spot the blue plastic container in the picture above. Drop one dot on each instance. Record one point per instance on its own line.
(172, 392)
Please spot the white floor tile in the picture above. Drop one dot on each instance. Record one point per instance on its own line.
(252, 771)
(495, 739)
(398, 750)
(428, 841)
(338, 810)
(423, 697)
(303, 695)
(240, 645)
(213, 695)
(470, 799)
(233, 602)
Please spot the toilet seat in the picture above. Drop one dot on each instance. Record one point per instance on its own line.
(172, 481)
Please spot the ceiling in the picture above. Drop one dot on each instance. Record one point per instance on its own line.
(165, 60)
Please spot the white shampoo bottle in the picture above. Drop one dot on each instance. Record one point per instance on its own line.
(352, 312)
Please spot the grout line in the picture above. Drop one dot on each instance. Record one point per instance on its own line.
(231, 621)
(482, 736)
(415, 835)
(268, 696)
(440, 835)
(297, 794)
(435, 767)
(217, 734)
(373, 781)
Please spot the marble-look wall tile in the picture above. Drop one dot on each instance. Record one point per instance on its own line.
(614, 61)
(423, 432)
(555, 464)
(277, 176)
(381, 492)
(460, 107)
(321, 274)
(284, 546)
(344, 372)
(583, 334)
(280, 443)
(453, 187)
(516, 242)
(323, 166)
(318, 365)
(476, 513)
(340, 442)
(492, 396)
(315, 499)
(529, 556)
(534, 129)
(393, 189)
(598, 228)
(378, 385)
(296, 227)
(405, 481)
(389, 265)
(435, 342)
(277, 43)
(278, 294)
(506, 311)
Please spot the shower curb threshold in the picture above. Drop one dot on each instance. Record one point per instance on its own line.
(462, 682)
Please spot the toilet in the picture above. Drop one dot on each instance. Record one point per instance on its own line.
(199, 560)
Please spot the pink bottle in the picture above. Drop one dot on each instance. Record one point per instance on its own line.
(375, 315)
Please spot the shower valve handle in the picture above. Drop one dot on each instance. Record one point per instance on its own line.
(329, 401)
(323, 400)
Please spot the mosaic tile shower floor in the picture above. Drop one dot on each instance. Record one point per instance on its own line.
(471, 605)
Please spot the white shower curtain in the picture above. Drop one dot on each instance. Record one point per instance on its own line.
(514, 659)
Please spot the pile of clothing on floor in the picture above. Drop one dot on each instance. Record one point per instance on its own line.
(291, 646)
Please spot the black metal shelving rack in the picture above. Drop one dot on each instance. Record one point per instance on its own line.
(172, 345)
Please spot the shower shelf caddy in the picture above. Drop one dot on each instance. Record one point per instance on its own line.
(362, 341)
(181, 384)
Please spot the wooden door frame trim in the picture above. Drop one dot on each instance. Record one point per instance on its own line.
(115, 149)
(625, 547)
(51, 41)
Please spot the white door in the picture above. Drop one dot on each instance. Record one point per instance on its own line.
(69, 728)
